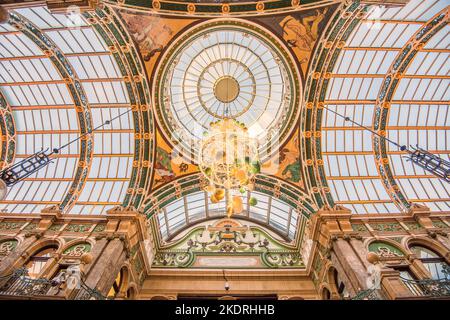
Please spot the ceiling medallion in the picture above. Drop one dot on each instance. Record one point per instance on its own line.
(226, 89)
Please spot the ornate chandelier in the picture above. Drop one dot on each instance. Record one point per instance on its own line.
(229, 160)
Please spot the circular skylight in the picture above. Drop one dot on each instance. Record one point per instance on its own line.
(226, 70)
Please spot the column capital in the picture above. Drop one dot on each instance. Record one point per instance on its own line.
(331, 222)
(52, 212)
(421, 214)
(123, 213)
(48, 216)
(419, 210)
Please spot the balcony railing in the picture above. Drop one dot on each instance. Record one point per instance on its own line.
(369, 294)
(428, 288)
(19, 284)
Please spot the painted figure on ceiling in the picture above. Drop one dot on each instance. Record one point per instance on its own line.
(149, 33)
(163, 166)
(290, 161)
(301, 34)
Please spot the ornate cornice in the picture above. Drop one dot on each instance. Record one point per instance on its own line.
(211, 9)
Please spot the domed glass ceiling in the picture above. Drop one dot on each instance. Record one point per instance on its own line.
(418, 113)
(45, 115)
(226, 71)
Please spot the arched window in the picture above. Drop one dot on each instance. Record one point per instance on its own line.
(131, 293)
(326, 294)
(342, 290)
(37, 261)
(115, 289)
(433, 262)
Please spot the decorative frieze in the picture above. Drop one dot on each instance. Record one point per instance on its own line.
(386, 227)
(99, 228)
(55, 227)
(30, 226)
(413, 225)
(78, 227)
(9, 225)
(440, 224)
(359, 227)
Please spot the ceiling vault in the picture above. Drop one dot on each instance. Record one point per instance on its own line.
(72, 81)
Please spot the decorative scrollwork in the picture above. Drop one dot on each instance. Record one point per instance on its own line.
(173, 259)
(78, 250)
(282, 259)
(386, 252)
(6, 247)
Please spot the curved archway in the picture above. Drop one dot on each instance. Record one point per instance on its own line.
(429, 243)
(37, 263)
(435, 263)
(326, 294)
(119, 287)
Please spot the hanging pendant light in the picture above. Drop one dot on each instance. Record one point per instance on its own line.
(229, 160)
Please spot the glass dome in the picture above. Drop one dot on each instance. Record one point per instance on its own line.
(226, 70)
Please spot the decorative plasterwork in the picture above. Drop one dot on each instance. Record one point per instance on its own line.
(116, 37)
(82, 107)
(7, 246)
(7, 133)
(385, 96)
(211, 9)
(339, 29)
(229, 239)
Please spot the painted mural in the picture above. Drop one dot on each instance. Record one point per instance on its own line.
(169, 166)
(289, 158)
(152, 33)
(299, 30)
